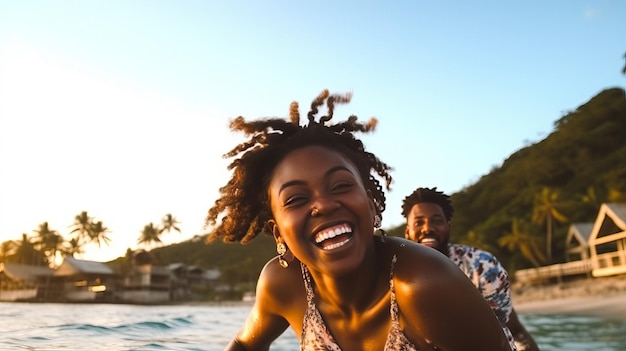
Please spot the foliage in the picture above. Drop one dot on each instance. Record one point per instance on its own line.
(150, 235)
(238, 263)
(547, 209)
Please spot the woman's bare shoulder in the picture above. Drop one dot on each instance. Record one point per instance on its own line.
(409, 253)
(419, 268)
(435, 300)
(279, 286)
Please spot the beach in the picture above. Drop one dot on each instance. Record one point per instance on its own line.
(604, 297)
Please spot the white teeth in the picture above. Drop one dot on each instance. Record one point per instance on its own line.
(336, 245)
(331, 233)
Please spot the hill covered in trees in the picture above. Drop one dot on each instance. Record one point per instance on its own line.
(513, 211)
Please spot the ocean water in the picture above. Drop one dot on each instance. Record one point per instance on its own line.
(43, 326)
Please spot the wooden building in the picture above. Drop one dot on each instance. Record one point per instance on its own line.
(607, 242)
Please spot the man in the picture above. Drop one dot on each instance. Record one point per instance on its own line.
(428, 213)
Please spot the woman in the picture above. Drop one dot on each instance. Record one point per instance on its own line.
(335, 283)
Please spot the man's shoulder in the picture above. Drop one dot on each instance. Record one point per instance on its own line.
(458, 250)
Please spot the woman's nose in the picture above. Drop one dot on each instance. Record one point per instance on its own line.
(325, 205)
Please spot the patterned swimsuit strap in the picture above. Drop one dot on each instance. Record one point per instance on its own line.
(306, 276)
(394, 304)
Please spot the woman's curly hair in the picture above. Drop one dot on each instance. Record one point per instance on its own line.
(244, 203)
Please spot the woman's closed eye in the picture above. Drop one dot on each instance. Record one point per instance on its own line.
(295, 200)
(342, 186)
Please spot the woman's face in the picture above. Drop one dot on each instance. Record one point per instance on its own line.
(336, 239)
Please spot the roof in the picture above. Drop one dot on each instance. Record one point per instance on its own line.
(619, 209)
(72, 266)
(611, 221)
(581, 230)
(19, 271)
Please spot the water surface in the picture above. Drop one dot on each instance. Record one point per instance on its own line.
(86, 327)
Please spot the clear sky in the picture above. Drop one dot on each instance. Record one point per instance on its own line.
(121, 108)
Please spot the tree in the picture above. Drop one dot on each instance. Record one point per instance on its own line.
(88, 231)
(98, 233)
(546, 209)
(26, 253)
(72, 248)
(521, 240)
(49, 241)
(7, 249)
(169, 223)
(150, 235)
(82, 227)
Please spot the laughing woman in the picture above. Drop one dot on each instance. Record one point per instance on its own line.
(315, 189)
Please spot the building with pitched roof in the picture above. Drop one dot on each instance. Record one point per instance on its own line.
(607, 241)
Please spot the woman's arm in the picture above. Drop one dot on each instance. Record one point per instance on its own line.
(259, 331)
(235, 345)
(267, 321)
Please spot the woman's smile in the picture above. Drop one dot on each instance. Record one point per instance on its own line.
(333, 237)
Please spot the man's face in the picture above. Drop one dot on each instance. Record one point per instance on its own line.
(427, 225)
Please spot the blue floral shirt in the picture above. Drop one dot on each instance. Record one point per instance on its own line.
(489, 277)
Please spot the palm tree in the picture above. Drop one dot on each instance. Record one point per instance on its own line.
(89, 231)
(545, 211)
(150, 235)
(26, 252)
(82, 226)
(169, 223)
(98, 233)
(49, 241)
(73, 247)
(520, 240)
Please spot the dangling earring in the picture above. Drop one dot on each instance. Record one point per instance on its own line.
(378, 230)
(281, 248)
(377, 221)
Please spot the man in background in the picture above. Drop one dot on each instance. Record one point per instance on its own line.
(428, 213)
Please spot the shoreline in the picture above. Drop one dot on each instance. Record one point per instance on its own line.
(612, 306)
(601, 297)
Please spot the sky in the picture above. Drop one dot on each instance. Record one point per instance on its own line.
(121, 108)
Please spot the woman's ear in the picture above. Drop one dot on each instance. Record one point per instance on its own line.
(273, 228)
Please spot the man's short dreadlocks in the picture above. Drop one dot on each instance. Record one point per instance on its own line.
(431, 195)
